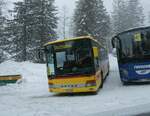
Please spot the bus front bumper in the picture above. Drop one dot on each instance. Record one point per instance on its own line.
(73, 90)
(143, 80)
(74, 85)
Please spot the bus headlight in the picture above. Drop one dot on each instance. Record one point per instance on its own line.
(90, 83)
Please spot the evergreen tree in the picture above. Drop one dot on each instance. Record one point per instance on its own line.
(126, 15)
(19, 30)
(44, 25)
(91, 18)
(119, 16)
(3, 39)
(33, 25)
(135, 14)
(102, 26)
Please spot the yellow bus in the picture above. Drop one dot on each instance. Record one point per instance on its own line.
(76, 65)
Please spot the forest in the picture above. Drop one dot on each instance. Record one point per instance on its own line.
(32, 23)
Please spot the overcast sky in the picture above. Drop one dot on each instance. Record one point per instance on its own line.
(70, 4)
(108, 4)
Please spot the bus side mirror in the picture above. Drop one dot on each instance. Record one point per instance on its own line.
(95, 52)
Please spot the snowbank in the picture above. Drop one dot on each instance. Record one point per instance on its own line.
(33, 99)
(30, 72)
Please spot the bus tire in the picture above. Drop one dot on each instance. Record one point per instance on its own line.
(102, 81)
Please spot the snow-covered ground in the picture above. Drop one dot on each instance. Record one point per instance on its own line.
(31, 98)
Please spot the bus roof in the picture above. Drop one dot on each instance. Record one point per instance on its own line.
(72, 39)
(134, 29)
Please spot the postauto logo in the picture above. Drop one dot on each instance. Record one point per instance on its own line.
(142, 69)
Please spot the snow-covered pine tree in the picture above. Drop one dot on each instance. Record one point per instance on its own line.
(3, 39)
(3, 46)
(102, 26)
(44, 24)
(103, 20)
(119, 16)
(135, 14)
(33, 25)
(126, 15)
(18, 29)
(91, 18)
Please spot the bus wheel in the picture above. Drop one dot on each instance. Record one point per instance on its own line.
(101, 86)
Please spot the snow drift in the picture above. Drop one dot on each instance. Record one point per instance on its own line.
(32, 98)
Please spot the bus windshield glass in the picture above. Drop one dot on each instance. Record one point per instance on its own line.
(135, 44)
(70, 58)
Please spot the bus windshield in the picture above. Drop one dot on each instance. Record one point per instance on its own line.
(135, 45)
(70, 58)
